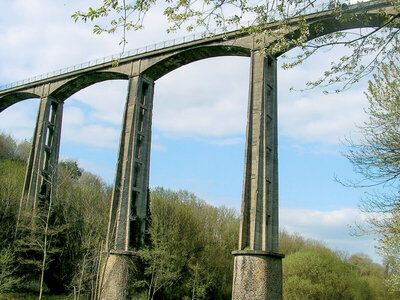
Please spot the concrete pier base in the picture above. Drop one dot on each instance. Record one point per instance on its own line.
(257, 275)
(116, 276)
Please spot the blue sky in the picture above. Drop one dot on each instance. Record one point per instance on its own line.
(199, 120)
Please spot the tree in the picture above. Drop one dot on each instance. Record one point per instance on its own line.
(376, 158)
(170, 226)
(9, 278)
(372, 273)
(12, 175)
(11, 149)
(72, 168)
(389, 247)
(320, 274)
(22, 151)
(292, 243)
(78, 223)
(38, 234)
(83, 201)
(7, 146)
(63, 243)
(189, 255)
(367, 48)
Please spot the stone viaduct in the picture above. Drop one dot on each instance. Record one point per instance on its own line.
(257, 263)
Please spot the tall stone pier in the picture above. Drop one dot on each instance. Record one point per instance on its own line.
(257, 265)
(129, 203)
(41, 171)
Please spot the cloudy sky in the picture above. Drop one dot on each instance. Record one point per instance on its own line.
(199, 119)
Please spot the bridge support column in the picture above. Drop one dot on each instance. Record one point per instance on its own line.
(129, 202)
(258, 266)
(41, 171)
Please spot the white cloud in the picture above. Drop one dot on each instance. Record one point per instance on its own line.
(326, 119)
(73, 116)
(312, 116)
(41, 37)
(205, 99)
(330, 227)
(98, 168)
(306, 218)
(156, 143)
(93, 135)
(228, 141)
(20, 119)
(106, 101)
(93, 116)
(158, 147)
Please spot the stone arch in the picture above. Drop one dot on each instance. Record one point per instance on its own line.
(65, 89)
(13, 98)
(71, 87)
(177, 60)
(318, 27)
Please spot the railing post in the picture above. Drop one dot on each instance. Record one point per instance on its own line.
(258, 266)
(129, 203)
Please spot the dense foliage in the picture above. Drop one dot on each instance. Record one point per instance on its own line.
(190, 250)
(312, 271)
(78, 222)
(188, 255)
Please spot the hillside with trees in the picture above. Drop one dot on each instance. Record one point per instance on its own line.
(188, 253)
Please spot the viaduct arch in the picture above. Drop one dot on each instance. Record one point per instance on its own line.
(258, 267)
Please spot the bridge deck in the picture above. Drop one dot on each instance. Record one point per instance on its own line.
(143, 52)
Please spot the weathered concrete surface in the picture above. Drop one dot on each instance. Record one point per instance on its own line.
(41, 171)
(115, 280)
(257, 275)
(257, 272)
(129, 205)
(259, 222)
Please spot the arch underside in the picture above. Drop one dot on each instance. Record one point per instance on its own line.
(160, 67)
(180, 59)
(64, 91)
(13, 98)
(83, 81)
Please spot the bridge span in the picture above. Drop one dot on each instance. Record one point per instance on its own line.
(258, 265)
